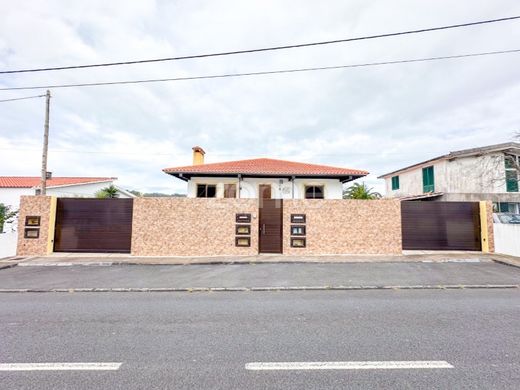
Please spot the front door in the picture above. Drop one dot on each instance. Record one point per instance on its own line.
(270, 228)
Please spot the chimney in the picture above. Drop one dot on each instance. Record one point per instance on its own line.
(198, 155)
(48, 175)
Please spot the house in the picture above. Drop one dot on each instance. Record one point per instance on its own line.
(485, 173)
(12, 187)
(263, 178)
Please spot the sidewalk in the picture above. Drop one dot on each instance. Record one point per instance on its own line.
(66, 259)
(256, 277)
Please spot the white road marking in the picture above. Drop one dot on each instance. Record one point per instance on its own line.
(59, 366)
(376, 365)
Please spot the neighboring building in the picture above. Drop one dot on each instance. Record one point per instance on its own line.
(276, 179)
(485, 173)
(12, 187)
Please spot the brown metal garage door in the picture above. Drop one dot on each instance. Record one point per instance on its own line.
(93, 225)
(441, 225)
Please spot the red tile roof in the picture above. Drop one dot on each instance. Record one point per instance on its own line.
(34, 181)
(265, 166)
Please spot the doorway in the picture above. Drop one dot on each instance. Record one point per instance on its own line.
(270, 221)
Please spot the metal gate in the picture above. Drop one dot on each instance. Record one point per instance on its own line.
(93, 225)
(441, 225)
(270, 226)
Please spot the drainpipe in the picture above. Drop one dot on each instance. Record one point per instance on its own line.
(239, 184)
(292, 183)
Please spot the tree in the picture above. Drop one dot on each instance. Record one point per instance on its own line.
(360, 191)
(6, 215)
(109, 192)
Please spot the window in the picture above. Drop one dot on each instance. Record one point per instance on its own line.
(314, 192)
(427, 180)
(230, 190)
(506, 207)
(395, 183)
(511, 163)
(206, 190)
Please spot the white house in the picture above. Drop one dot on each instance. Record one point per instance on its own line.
(263, 177)
(485, 173)
(12, 187)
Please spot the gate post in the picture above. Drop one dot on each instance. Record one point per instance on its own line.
(52, 225)
(484, 236)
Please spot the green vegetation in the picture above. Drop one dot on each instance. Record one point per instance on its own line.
(109, 192)
(6, 215)
(360, 191)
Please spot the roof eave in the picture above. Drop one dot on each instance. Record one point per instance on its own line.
(342, 177)
(504, 147)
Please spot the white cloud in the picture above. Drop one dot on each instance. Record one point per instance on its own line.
(377, 118)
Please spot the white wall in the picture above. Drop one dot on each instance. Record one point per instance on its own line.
(507, 238)
(411, 182)
(11, 196)
(8, 243)
(80, 191)
(477, 174)
(467, 175)
(280, 188)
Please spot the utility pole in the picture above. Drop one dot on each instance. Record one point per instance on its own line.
(43, 186)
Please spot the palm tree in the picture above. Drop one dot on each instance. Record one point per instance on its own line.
(360, 191)
(108, 192)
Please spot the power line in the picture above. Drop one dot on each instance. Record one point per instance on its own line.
(280, 71)
(21, 98)
(170, 154)
(264, 49)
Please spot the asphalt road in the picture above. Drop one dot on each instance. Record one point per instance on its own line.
(204, 340)
(258, 275)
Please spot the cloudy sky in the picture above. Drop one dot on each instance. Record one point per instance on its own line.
(373, 118)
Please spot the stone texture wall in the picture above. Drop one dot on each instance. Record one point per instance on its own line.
(345, 226)
(190, 227)
(35, 206)
(491, 236)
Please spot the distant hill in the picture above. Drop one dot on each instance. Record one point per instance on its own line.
(157, 194)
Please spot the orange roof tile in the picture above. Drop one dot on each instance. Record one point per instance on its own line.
(265, 166)
(34, 181)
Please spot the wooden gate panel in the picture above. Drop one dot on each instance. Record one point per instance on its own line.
(270, 229)
(440, 225)
(93, 225)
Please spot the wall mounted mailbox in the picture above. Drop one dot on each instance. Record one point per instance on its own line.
(243, 218)
(297, 230)
(32, 220)
(31, 233)
(297, 218)
(243, 230)
(298, 242)
(243, 241)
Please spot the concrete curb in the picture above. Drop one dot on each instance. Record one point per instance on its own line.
(506, 262)
(253, 289)
(125, 263)
(6, 266)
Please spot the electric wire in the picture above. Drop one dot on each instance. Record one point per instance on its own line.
(264, 49)
(260, 73)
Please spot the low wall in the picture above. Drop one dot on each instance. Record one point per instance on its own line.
(45, 208)
(8, 244)
(190, 226)
(345, 226)
(507, 239)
